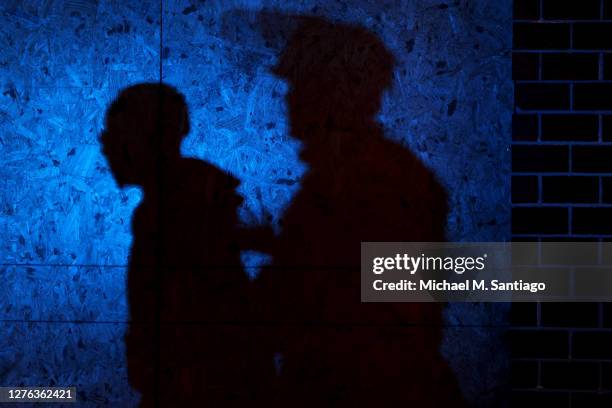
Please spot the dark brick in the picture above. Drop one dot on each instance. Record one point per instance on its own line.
(569, 189)
(542, 96)
(538, 343)
(561, 375)
(606, 258)
(570, 66)
(539, 220)
(569, 10)
(529, 158)
(592, 36)
(607, 66)
(542, 399)
(607, 314)
(528, 254)
(606, 376)
(526, 9)
(592, 220)
(570, 127)
(524, 374)
(525, 127)
(569, 239)
(592, 345)
(524, 189)
(606, 128)
(607, 9)
(591, 400)
(541, 36)
(523, 314)
(593, 96)
(570, 314)
(592, 159)
(525, 65)
(606, 190)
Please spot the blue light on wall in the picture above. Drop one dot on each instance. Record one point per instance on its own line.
(65, 225)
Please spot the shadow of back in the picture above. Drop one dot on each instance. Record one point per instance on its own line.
(187, 291)
(360, 187)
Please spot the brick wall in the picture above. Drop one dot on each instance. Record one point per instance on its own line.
(562, 190)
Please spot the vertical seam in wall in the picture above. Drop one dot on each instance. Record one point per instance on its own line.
(600, 382)
(540, 189)
(161, 39)
(541, 16)
(600, 128)
(160, 209)
(600, 179)
(540, 64)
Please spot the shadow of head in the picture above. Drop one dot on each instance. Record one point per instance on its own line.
(146, 123)
(337, 74)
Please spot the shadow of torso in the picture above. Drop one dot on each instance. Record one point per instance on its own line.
(188, 229)
(189, 340)
(338, 351)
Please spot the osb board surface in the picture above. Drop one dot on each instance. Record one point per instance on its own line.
(62, 62)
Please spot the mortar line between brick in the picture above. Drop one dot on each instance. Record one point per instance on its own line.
(560, 205)
(561, 391)
(562, 111)
(562, 81)
(540, 188)
(564, 236)
(559, 173)
(540, 63)
(560, 360)
(541, 11)
(562, 21)
(539, 127)
(560, 143)
(562, 51)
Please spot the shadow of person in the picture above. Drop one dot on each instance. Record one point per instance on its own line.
(360, 186)
(187, 292)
